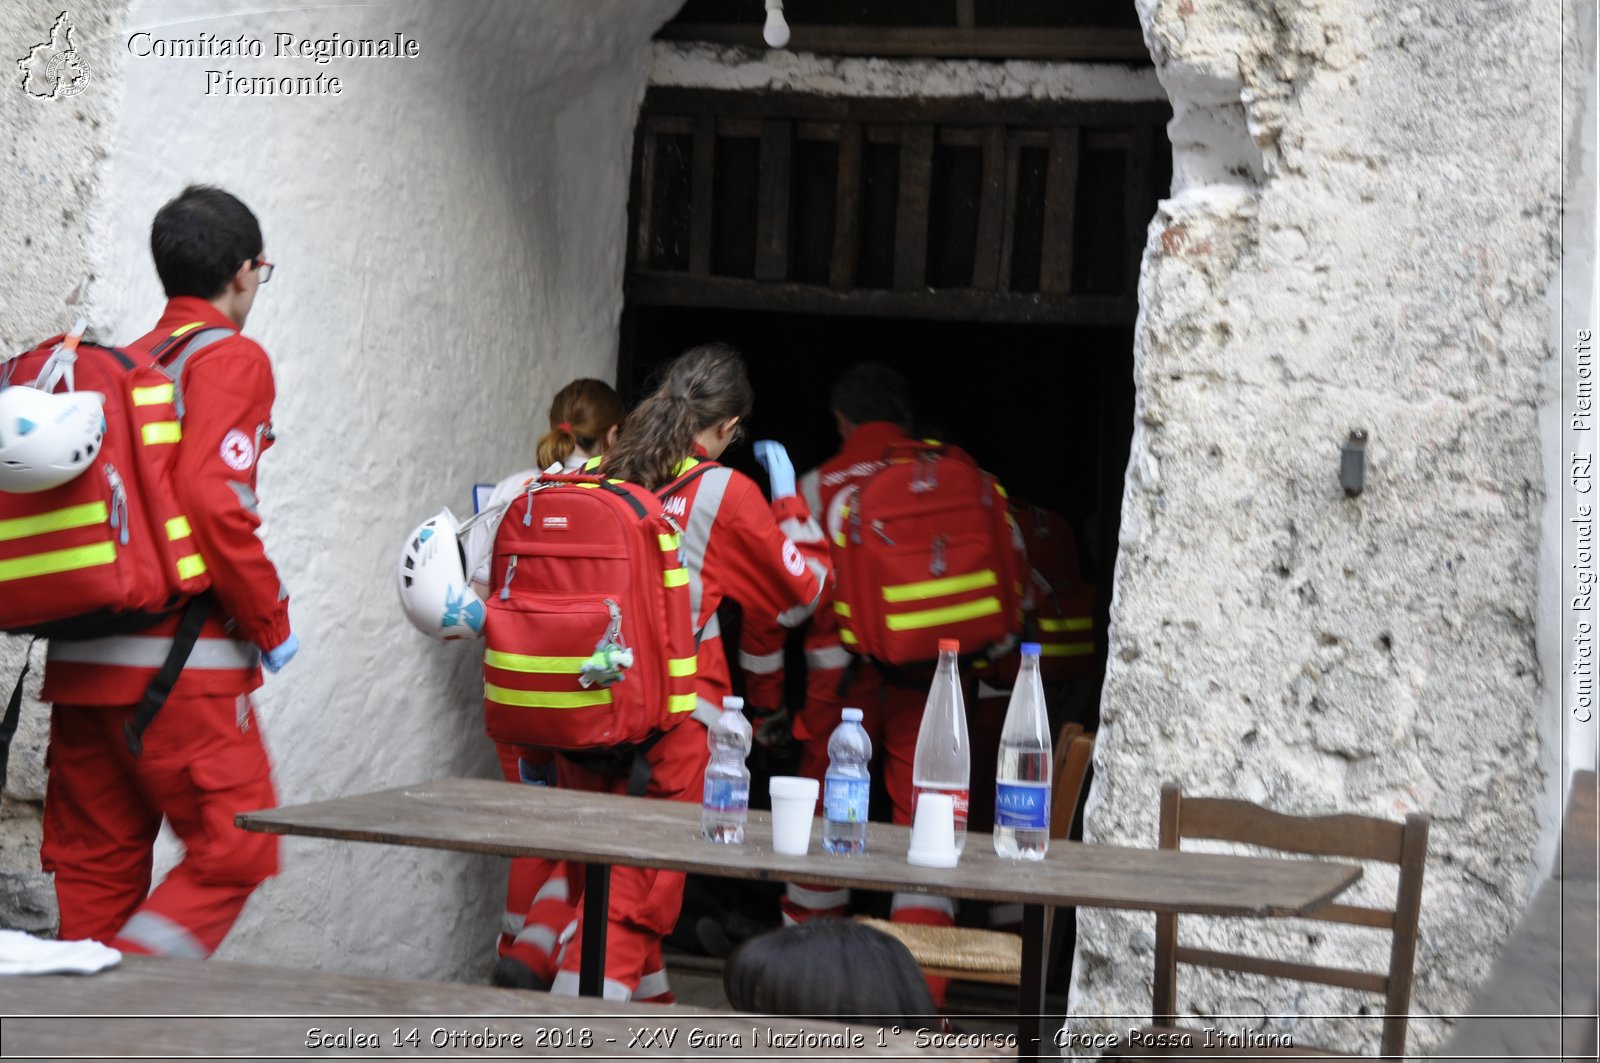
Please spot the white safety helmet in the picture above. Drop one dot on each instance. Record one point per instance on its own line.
(46, 438)
(434, 590)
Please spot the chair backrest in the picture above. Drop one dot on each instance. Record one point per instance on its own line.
(1069, 770)
(1349, 836)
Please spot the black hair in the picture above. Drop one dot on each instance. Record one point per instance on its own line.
(837, 968)
(199, 240)
(872, 391)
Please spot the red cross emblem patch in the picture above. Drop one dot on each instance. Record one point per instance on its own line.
(238, 452)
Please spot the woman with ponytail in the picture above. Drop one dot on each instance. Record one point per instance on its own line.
(770, 558)
(585, 419)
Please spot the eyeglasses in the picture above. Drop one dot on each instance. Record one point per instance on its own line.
(263, 270)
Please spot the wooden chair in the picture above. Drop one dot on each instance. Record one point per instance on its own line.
(974, 955)
(1353, 837)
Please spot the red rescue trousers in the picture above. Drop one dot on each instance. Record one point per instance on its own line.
(202, 764)
(645, 901)
(537, 911)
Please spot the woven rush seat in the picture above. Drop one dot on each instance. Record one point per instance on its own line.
(955, 948)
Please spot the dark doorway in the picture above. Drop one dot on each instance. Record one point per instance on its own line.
(1047, 408)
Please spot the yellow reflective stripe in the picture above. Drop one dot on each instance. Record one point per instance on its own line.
(178, 528)
(680, 703)
(546, 699)
(155, 395)
(839, 540)
(191, 566)
(842, 608)
(950, 614)
(669, 543)
(678, 667)
(675, 577)
(517, 662)
(161, 432)
(938, 588)
(81, 516)
(190, 327)
(1001, 490)
(1071, 623)
(847, 636)
(1067, 649)
(684, 466)
(59, 561)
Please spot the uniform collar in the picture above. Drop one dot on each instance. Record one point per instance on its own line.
(871, 439)
(192, 310)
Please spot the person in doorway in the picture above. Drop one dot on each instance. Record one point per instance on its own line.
(769, 558)
(203, 760)
(871, 408)
(585, 419)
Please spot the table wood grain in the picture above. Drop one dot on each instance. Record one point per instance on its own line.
(487, 816)
(151, 1006)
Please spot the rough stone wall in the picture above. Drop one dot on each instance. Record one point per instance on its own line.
(449, 236)
(52, 162)
(1362, 234)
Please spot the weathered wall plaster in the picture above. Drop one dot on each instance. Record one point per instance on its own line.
(1361, 234)
(449, 235)
(52, 161)
(687, 65)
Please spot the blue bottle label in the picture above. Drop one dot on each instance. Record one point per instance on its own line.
(1022, 805)
(845, 800)
(727, 795)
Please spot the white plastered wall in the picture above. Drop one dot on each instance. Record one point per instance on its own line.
(448, 234)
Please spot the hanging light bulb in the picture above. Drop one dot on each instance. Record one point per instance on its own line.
(776, 31)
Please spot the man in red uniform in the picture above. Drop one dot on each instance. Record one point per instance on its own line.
(872, 410)
(202, 760)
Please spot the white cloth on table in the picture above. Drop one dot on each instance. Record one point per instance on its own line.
(25, 954)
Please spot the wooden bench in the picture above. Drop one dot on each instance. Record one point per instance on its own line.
(157, 1007)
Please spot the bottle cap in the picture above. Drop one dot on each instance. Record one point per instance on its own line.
(851, 715)
(1030, 649)
(949, 645)
(731, 702)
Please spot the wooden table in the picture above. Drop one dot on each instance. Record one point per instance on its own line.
(600, 830)
(159, 1007)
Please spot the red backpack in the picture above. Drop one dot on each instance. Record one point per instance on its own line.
(1062, 619)
(110, 550)
(588, 639)
(924, 552)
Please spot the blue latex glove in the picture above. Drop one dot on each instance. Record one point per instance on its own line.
(276, 658)
(780, 470)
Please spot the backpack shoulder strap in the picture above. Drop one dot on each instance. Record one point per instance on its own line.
(699, 469)
(171, 364)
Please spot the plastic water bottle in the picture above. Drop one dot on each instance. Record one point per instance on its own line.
(726, 801)
(943, 763)
(1022, 776)
(848, 788)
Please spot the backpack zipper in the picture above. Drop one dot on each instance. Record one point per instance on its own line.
(511, 570)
